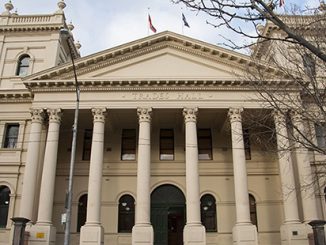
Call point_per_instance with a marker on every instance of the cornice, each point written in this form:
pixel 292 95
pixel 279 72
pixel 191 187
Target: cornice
pixel 20 96
pixel 30 28
pixel 150 85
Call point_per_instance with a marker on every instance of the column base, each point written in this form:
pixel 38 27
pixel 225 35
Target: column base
pixel 295 233
pixel 142 234
pixel 245 234
pixel 194 234
pixel 91 235
pixel 42 234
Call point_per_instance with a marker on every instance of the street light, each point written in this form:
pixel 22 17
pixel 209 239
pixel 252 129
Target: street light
pixel 66 35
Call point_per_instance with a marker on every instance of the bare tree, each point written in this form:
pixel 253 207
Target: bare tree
pixel 294 46
pixel 237 14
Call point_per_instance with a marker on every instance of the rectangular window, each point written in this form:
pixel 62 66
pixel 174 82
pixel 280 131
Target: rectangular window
pixel 321 134
pixel 204 144
pixel 166 144
pixel 87 144
pixel 11 135
pixel 128 144
pixel 246 141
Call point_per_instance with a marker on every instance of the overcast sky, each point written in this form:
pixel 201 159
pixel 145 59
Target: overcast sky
pixel 102 24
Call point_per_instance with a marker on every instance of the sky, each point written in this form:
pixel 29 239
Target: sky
pixel 103 24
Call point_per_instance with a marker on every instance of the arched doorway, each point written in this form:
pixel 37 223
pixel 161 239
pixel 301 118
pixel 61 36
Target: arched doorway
pixel 168 213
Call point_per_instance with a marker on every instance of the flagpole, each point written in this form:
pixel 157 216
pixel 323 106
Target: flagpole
pixel 182 25
pixel 147 21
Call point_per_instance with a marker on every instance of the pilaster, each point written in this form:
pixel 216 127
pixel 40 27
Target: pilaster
pixel 307 183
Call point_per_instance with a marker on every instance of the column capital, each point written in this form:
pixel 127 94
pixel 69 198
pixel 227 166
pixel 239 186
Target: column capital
pixel 144 114
pixel 190 114
pixel 235 114
pixel 54 115
pixel 279 116
pixel 37 115
pixel 296 116
pixel 99 114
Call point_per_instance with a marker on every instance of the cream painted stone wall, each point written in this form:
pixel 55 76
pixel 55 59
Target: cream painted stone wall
pixel 167 72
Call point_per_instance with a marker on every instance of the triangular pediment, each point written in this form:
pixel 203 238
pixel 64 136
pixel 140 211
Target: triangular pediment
pixel 162 56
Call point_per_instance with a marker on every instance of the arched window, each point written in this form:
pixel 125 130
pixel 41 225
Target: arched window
pixel 23 66
pixel 253 210
pixel 4 205
pixel 126 213
pixel 82 211
pixel 208 212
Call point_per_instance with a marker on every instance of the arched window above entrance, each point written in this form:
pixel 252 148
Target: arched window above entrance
pixel 208 212
pixel 4 205
pixel 126 213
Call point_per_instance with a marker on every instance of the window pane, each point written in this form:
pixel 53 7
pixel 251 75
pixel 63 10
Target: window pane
pixel 82 211
pixel 23 66
pixel 208 212
pixel 4 205
pixel 11 136
pixel 128 144
pixel 87 144
pixel 204 144
pixel 321 135
pixel 126 213
pixel 253 210
pixel 247 146
pixel 166 144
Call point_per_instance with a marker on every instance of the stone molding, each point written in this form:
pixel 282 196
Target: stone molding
pixel 54 115
pixel 37 115
pixel 190 114
pixel 147 45
pixel 235 114
pixel 99 114
pixel 144 114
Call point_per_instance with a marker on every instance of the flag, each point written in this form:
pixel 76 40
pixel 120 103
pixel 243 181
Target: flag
pixel 185 21
pixel 150 24
pixel 282 2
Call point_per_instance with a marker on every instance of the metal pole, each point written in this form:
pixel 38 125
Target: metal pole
pixel 19 230
pixel 319 233
pixel 73 153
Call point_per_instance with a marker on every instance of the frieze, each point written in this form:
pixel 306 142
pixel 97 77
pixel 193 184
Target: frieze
pixel 168 96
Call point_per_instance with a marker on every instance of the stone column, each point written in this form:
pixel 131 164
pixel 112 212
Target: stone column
pixel 194 231
pixel 92 232
pixel 44 232
pixel 31 165
pixel 243 231
pixel 142 232
pixel 307 183
pixel 292 231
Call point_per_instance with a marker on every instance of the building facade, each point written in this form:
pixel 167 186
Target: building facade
pixel 164 153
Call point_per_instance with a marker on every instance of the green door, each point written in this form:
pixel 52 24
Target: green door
pixel 168 215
